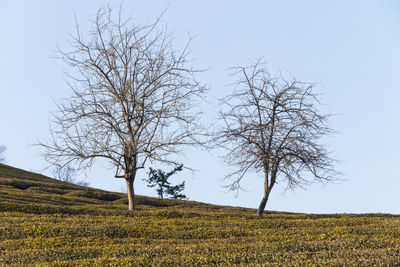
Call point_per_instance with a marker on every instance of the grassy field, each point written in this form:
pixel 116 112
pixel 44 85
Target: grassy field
pixel 51 223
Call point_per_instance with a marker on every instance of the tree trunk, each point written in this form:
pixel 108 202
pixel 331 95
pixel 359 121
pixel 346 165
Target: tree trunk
pixel 267 190
pixel 263 203
pixel 131 193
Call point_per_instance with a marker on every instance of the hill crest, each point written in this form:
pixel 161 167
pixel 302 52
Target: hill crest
pixel 30 192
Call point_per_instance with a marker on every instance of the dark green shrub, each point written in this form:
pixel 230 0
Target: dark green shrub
pixel 159 178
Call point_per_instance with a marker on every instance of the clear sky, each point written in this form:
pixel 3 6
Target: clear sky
pixel 351 48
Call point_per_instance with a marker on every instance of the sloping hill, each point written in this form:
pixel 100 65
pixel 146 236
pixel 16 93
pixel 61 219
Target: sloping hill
pixel 22 191
pixel 52 223
pixel 34 193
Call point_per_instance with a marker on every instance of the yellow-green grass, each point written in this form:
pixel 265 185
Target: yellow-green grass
pixel 52 223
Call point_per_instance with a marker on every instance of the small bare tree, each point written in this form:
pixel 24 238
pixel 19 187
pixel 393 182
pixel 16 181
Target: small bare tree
pixel 272 126
pixel 133 99
pixel 67 174
pixel 2 150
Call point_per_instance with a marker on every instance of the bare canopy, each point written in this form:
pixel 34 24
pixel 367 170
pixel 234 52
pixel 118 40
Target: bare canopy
pixel 272 126
pixel 133 99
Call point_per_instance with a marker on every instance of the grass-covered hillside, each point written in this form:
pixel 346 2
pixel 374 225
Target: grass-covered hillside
pixel 52 223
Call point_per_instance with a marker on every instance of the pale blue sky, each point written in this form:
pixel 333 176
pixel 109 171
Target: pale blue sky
pixel 351 48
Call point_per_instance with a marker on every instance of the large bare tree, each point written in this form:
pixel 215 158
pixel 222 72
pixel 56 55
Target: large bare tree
pixel 272 126
pixel 134 99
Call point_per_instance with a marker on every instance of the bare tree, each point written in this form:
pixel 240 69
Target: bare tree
pixel 272 126
pixel 2 150
pixel 67 174
pixel 133 99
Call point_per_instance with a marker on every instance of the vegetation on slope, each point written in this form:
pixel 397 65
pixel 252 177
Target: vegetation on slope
pixel 48 222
